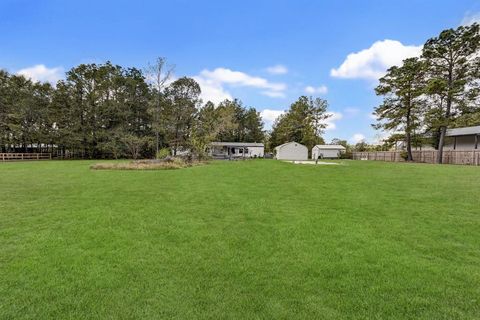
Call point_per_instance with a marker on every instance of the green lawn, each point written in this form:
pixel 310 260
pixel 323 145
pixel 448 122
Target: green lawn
pixel 249 239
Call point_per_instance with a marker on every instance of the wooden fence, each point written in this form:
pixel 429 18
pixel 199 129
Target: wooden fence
pixel 24 156
pixel 425 156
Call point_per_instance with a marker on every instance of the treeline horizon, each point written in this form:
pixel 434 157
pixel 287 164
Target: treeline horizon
pixel 109 111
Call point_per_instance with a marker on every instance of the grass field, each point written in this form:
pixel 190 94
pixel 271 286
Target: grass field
pixel 248 239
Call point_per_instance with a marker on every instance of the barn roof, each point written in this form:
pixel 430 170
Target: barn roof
pixel 277 147
pixel 465 131
pixel 330 146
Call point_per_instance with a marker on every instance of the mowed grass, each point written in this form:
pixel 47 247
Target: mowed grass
pixel 248 239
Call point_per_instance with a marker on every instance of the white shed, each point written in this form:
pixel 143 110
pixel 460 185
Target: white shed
pixel 291 151
pixel 331 151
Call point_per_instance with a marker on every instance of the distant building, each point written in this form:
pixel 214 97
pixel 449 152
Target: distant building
pixel 328 151
pixel 291 151
pixel 466 138
pixel 228 150
pixel 462 139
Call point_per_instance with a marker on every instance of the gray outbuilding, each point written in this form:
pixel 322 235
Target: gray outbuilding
pixel 291 151
pixel 327 151
pixel 466 138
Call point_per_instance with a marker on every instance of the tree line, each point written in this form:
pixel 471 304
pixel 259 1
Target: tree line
pixel 108 111
pixel 438 90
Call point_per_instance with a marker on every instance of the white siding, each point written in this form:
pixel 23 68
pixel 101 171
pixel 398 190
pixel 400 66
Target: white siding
pixel 255 152
pixel 291 151
pixel 235 150
pixel 326 151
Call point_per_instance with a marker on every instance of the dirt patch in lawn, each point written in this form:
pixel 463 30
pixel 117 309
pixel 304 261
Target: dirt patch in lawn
pixel 166 164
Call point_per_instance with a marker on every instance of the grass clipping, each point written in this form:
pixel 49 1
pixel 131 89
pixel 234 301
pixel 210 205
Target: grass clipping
pixel 166 164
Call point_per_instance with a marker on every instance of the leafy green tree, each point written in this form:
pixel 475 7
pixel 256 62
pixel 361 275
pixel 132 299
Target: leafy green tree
pixel 452 59
pixel 253 126
pixel 105 111
pixel 204 130
pixel 361 146
pixel 183 98
pixel 402 88
pixel 246 123
pixel 106 105
pixel 4 110
pixel 26 109
pixel 304 122
pixel 234 111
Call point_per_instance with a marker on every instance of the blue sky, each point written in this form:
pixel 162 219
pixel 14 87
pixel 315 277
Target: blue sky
pixel 266 53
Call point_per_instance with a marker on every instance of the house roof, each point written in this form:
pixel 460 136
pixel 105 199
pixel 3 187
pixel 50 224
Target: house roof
pixel 465 131
pixel 278 147
pixel 330 146
pixel 236 144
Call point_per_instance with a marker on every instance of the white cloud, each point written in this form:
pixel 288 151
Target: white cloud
pixel 357 137
pixel 41 73
pixel 269 116
pixel 351 111
pixel 334 117
pixel 372 63
pixel 223 75
pixel 381 136
pixel 212 91
pixel 316 90
pixel 274 94
pixel 277 69
pixel 470 18
pixel 213 82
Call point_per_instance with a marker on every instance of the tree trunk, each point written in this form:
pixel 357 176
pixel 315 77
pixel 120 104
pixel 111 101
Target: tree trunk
pixel 409 146
pixel 408 136
pixel 441 141
pixel 443 132
pixel 443 129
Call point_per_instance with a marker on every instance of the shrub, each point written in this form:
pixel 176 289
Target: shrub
pixel 346 155
pixel 167 163
pixel 163 153
pixel 404 155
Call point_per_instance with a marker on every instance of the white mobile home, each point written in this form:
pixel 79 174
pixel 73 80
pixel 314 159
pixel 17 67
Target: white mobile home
pixel 228 150
pixel 327 151
pixel 291 151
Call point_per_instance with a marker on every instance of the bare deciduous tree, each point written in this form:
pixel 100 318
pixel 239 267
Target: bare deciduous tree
pixel 158 75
